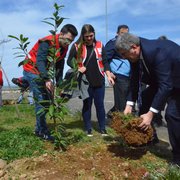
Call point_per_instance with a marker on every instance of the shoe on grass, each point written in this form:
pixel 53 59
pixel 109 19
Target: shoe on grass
pixel 89 133
pixel 104 132
pixel 45 136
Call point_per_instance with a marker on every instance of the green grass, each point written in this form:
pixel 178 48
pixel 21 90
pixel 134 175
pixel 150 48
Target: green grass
pixel 16 133
pixel 18 141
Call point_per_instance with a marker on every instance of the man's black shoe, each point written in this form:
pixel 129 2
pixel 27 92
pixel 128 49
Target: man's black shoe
pixel 89 133
pixel 21 83
pixel 104 133
pixel 17 82
pixel 48 137
pixel 45 136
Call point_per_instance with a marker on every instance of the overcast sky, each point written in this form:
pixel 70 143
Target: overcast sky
pixel 146 18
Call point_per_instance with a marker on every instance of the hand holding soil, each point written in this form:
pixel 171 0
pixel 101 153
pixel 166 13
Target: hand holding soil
pixel 127 126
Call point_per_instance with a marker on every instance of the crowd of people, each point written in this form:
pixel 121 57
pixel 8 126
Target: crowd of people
pixel 128 61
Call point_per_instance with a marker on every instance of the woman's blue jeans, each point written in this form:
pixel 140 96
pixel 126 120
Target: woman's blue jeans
pixel 97 94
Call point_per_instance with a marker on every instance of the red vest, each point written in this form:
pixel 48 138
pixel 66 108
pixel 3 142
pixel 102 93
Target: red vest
pixel 31 65
pixel 1 78
pixel 98 51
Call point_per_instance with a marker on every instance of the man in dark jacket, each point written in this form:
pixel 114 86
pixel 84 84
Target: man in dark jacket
pixel 36 72
pixel 159 61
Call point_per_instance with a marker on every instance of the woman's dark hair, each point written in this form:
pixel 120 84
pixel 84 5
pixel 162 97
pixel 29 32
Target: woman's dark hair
pixel 87 28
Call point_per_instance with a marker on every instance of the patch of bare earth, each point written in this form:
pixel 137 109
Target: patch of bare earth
pixel 83 162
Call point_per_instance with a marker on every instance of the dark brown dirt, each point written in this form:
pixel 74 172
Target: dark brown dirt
pixel 127 128
pixel 85 162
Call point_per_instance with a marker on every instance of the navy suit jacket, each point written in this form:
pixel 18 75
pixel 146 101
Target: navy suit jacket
pixel 162 71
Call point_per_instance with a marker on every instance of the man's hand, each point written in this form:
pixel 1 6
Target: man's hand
pixel 110 77
pixel 110 80
pixel 147 118
pixel 128 109
pixel 82 69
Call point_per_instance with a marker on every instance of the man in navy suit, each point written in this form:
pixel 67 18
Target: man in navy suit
pixel 158 62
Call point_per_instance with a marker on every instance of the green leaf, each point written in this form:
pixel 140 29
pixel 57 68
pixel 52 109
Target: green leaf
pixel 51 110
pixel 21 63
pixel 50 18
pixel 17 48
pixel 50 59
pixel 41 111
pixel 20 56
pixel 21 37
pixel 48 23
pixel 24 39
pixel 14 37
pixel 52 32
pixel 55 14
pixel 59 21
pixel 56 6
pixel 16 53
pixel 26 44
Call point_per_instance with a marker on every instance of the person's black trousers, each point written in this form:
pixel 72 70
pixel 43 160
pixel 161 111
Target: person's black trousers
pixel 172 117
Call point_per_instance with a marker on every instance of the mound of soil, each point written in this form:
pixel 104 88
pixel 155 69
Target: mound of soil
pixel 127 128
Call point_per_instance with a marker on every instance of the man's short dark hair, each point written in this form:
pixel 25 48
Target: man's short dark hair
pixel 69 28
pixel 163 37
pixel 122 26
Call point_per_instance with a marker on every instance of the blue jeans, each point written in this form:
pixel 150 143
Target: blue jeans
pixel 30 98
pixel 96 94
pixel 38 88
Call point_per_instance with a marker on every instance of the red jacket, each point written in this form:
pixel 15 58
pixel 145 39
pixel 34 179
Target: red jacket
pixel 1 78
pixel 30 66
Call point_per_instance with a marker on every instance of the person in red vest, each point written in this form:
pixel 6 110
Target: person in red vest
pixel 92 66
pixel 1 85
pixel 24 86
pixel 36 72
